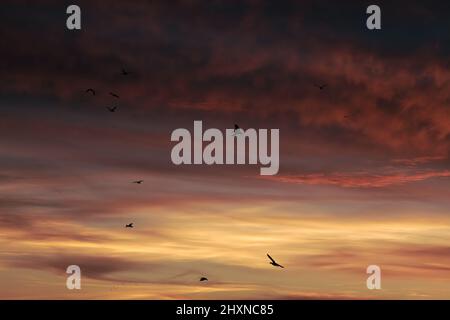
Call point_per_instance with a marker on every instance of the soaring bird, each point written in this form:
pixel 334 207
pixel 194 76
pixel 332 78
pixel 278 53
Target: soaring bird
pixel 111 109
pixel 237 130
pixel 321 86
pixel 274 263
pixel 91 91
pixel 114 95
pixel 138 181
pixel 203 279
pixel 130 225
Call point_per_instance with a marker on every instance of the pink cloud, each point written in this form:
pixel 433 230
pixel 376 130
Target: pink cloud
pixel 359 179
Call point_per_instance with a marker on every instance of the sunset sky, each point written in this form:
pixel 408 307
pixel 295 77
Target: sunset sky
pixel 364 163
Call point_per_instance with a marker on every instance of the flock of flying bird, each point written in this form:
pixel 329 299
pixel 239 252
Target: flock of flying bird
pixel 115 95
pixel 111 109
pixel 237 131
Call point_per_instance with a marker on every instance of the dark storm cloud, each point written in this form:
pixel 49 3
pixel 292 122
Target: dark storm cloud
pixel 255 61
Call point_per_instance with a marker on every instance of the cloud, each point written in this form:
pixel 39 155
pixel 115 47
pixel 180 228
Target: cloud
pixel 419 160
pixel 66 163
pixel 229 69
pixel 92 266
pixel 360 179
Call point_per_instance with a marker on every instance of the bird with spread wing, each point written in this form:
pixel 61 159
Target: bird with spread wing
pixel 274 263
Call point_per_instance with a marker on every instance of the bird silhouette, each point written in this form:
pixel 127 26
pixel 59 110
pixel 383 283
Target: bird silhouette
pixel 321 86
pixel 91 91
pixel 138 181
pixel 114 95
pixel 111 109
pixel 203 279
pixel 125 72
pixel 130 225
pixel 237 130
pixel 274 263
